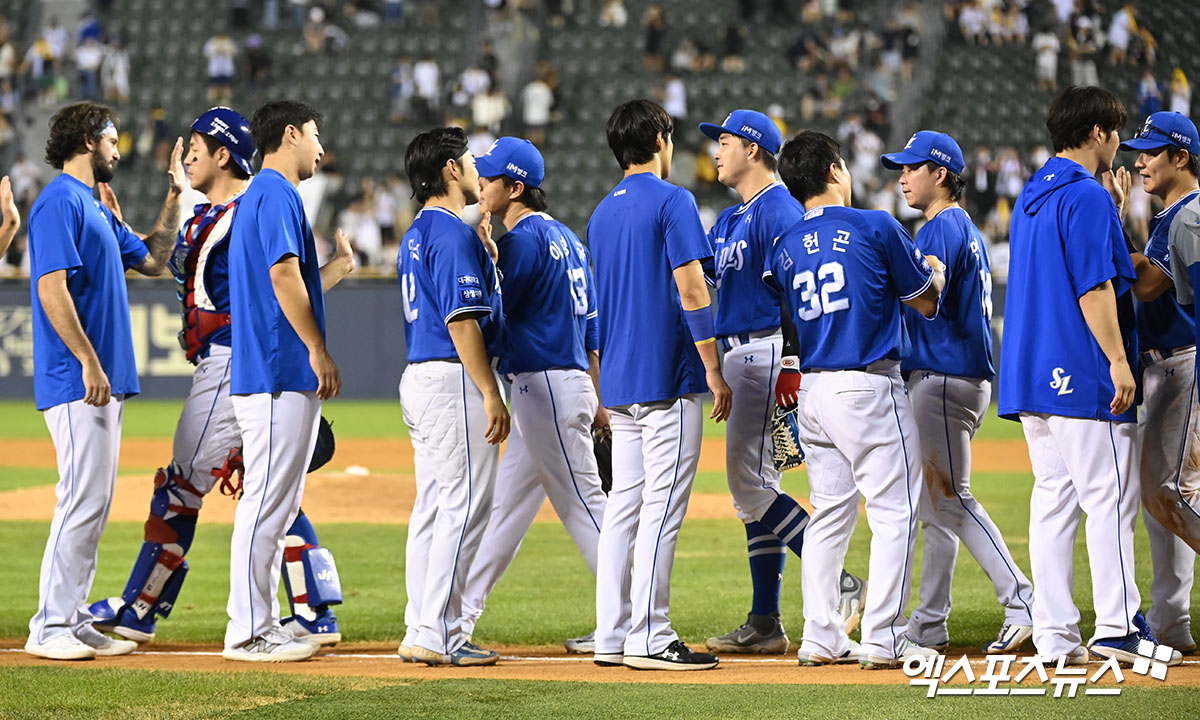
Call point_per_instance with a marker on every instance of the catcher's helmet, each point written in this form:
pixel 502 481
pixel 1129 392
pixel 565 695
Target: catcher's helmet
pixel 232 129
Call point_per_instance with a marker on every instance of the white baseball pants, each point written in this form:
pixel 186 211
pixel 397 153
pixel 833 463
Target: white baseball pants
pixel 861 439
pixel 456 474
pixel 548 454
pixel 656 448
pixel 949 410
pixel 87 441
pixel 278 435
pixel 1081 466
pixel 1169 437
pixel 751 370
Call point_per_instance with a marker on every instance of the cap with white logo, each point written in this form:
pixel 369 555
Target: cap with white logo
pixel 749 124
pixel 1165 128
pixel 924 146
pixel 515 157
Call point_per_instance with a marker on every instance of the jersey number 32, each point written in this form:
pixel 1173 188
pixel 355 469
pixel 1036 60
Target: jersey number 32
pixel 817 291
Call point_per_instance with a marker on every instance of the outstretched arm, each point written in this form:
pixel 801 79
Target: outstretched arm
pixel 341 265
pixel 12 219
pixel 161 239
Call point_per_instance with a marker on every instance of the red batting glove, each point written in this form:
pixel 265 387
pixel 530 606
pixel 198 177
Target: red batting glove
pixel 787 388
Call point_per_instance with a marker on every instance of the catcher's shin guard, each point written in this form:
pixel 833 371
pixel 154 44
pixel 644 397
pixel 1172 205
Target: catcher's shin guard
pixel 309 573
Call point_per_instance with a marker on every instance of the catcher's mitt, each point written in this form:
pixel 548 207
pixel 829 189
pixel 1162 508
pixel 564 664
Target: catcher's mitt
pixel 323 450
pixel 785 436
pixel 602 441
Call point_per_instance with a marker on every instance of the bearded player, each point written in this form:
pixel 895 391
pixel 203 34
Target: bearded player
pixel 207 445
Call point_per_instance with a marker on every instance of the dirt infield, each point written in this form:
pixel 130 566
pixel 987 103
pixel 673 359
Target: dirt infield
pixel 552 663
pixel 385 495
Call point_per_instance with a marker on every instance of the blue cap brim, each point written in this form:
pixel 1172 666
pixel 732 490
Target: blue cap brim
pixel 1140 144
pixel 715 131
pixel 489 166
pixel 897 161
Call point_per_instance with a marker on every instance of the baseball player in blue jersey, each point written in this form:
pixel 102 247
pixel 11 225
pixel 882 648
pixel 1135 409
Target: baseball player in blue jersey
pixel 280 372
pixel 451 395
pixel 83 359
pixel 748 328
pixel 207 443
pixel 647 246
pixel 554 364
pixel 842 275
pixel 1169 428
pixel 950 369
pixel 1067 376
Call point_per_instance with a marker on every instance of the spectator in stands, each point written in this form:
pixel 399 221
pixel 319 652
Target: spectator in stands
pixel 734 42
pixel 427 81
pixel 393 12
pixel 1046 48
pixel 1120 30
pixel 1181 93
pixel 362 14
pixel 56 39
pixel 361 227
pixel 674 100
pixel 843 47
pixel 402 88
pixel 537 99
pixel 299 13
pixel 258 63
pixel 654 26
pixel 114 72
pixel 910 52
pixel 8 54
pixel 1149 95
pixel 219 51
pixel 613 14
pixel 474 80
pixel 88 56
pixel 10 98
pixel 1083 43
pixel 807 53
pixel 40 64
pixel 972 23
pixel 313 33
pixel 490 108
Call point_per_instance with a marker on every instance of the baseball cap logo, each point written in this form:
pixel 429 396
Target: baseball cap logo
pixel 727 119
pixel 911 140
pixel 513 168
pixel 752 132
pixel 939 154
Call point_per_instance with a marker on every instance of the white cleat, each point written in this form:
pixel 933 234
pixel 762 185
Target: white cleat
pixel 1009 639
pixel 275 645
pixel 103 644
pixel 61 647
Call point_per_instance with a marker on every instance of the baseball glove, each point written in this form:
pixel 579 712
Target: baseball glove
pixel 602 442
pixel 323 450
pixel 785 436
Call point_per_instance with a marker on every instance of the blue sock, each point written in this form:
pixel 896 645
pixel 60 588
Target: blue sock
pixel 767 556
pixel 787 520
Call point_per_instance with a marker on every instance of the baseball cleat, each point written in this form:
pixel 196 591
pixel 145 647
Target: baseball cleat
pixel 748 638
pixel 322 631
pixel 816 659
pixel 677 656
pixel 61 647
pixel 110 615
pixel 468 654
pixel 275 645
pixel 609 659
pixel 405 652
pixel 581 645
pixel 907 650
pixel 103 644
pixel 1127 650
pixel 1009 639
pixel 853 597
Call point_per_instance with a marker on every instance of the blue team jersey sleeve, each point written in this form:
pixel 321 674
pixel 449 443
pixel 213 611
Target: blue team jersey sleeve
pixel 278 226
pixel 55 226
pixel 1158 251
pixel 592 330
pixel 133 248
pixel 456 268
pixel 910 273
pixel 683 231
pixel 1089 225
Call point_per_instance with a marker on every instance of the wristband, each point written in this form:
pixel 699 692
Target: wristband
pixel 700 322
pixel 790 364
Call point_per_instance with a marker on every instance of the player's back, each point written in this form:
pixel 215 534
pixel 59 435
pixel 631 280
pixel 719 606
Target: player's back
pixel 844 273
pixel 445 273
pixel 742 237
pixel 958 341
pixel 638 234
pixel 548 295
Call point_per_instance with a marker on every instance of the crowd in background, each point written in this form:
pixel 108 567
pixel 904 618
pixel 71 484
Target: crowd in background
pixel 851 68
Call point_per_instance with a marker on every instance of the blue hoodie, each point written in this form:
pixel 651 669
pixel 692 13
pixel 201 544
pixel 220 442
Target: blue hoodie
pixel 1065 240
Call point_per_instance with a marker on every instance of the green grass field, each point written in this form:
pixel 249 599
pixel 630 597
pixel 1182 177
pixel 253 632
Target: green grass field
pixel 545 597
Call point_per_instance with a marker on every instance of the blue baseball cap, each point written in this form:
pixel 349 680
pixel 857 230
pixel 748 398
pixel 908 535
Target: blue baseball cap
pixel 927 145
pixel 1165 128
pixel 749 124
pixel 232 130
pixel 514 157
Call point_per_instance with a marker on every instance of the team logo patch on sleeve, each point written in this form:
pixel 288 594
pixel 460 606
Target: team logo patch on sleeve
pixel 471 294
pixel 468 280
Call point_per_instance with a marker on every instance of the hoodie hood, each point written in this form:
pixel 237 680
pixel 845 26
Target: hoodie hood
pixel 1056 174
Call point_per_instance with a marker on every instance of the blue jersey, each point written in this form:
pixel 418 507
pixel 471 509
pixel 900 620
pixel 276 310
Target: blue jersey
pixel 842 274
pixel 1161 323
pixel 549 297
pixel 1065 240
pixel 268 355
pixel 958 341
pixel 639 233
pixel 741 239
pixel 446 274
pixel 69 230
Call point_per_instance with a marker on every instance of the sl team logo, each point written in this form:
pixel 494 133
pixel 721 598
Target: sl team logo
pixel 1061 382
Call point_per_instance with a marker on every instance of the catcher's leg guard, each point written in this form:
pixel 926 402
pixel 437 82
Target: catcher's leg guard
pixel 160 567
pixel 311 580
